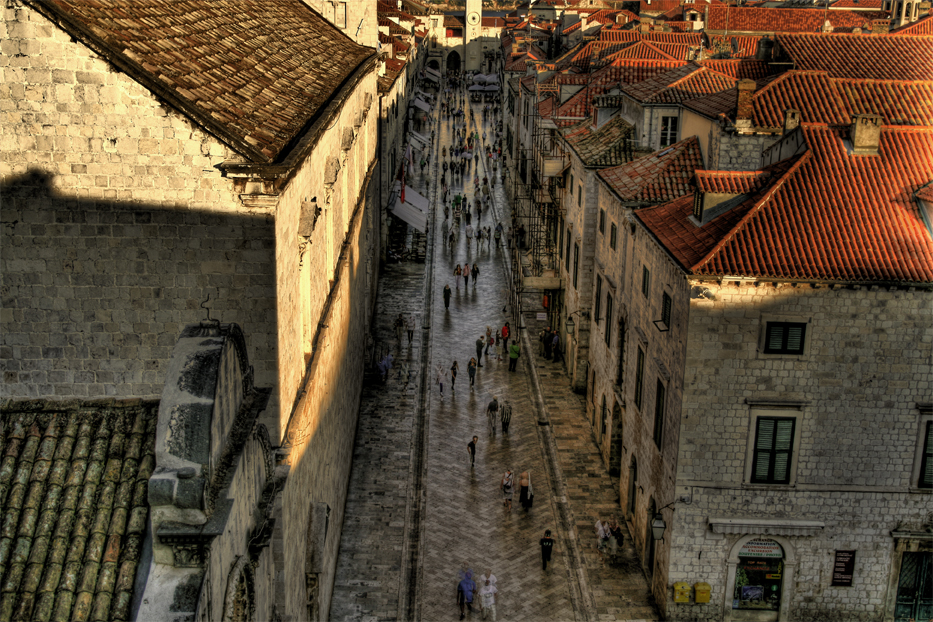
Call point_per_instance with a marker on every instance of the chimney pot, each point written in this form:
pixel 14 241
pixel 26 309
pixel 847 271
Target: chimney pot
pixel 791 120
pixel 865 134
pixel 743 106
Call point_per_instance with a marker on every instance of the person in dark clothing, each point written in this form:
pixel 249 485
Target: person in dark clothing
pixel 547 546
pixel 480 344
pixel 447 294
pixel 547 339
pixel 471 447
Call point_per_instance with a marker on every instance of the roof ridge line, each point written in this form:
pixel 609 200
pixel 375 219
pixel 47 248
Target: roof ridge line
pixel 754 209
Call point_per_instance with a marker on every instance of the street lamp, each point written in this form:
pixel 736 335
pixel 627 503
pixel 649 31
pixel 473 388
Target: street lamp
pixel 570 323
pixel 658 526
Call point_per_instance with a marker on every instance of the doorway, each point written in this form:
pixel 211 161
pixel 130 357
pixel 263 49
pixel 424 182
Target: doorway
pixel 453 62
pixel 915 587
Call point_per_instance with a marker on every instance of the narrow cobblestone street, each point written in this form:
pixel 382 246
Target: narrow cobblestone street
pixel 416 508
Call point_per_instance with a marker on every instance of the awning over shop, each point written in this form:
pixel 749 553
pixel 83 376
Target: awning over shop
pixel 425 96
pixel 432 78
pixel 419 103
pixel 476 87
pixel 434 73
pixel 421 139
pixel 414 210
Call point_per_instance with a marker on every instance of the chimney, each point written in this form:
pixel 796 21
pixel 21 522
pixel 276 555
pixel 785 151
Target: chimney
pixel 865 134
pixel 582 24
pixel 880 26
pixel 743 106
pixel 791 120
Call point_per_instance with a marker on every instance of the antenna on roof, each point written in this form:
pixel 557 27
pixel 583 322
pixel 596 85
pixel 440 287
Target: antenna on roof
pixel 735 46
pixel 358 30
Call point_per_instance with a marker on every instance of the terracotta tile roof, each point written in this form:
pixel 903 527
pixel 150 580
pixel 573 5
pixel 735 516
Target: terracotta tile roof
pixel 493 22
pixel 681 38
pixel 607 146
pixel 870 57
pixel 679 85
pixel 830 216
pixel 572 28
pixel 759 19
pixel 821 99
pixel 739 68
pixel 662 176
pixel 680 26
pixel 731 182
pixel 858 4
pixel 712 106
pixel 922 27
pixel 254 74
pixel 74 485
pixel 642 50
pixel 747 44
pixel 657 6
pixel 453 21
pixel 395 29
pixel 603 16
pixel 393 64
pixel 385 9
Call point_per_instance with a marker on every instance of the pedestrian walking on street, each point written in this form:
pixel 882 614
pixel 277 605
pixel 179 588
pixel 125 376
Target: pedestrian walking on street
pixel 410 326
pixel 505 415
pixel 475 271
pixel 505 332
pixel 602 537
pixel 488 576
pixel 471 447
pixel 514 353
pixel 441 375
pixel 507 489
pixel 447 293
pixel 488 338
pixel 466 272
pixel 487 595
pixel 465 590
pixel 526 493
pixel 547 547
pixel 555 348
pixel 499 348
pixel 616 538
pixel 545 342
pixel 480 343
pixel 471 371
pixel 491 417
pixel 453 376
pixel 458 271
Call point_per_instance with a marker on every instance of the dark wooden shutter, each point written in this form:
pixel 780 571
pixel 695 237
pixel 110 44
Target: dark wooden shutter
pixel 926 462
pixel 774 443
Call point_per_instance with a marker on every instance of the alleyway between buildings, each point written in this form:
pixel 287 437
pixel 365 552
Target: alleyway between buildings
pixel 416 510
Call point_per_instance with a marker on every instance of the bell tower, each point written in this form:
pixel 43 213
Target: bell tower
pixel 473 45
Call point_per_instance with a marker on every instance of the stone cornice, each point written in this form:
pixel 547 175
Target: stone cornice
pixel 766 526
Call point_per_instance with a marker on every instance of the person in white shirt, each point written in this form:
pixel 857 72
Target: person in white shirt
pixel 487 598
pixel 602 536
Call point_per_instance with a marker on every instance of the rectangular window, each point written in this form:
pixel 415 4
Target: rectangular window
pixel 612 236
pixel 599 298
pixel 668 131
pixel 666 309
pixel 645 280
pixel 659 400
pixel 571 184
pixel 774 442
pixel 602 221
pixel 567 257
pixel 560 240
pixel 580 195
pixel 340 15
pixel 784 337
pixel 576 263
pixel 926 461
pixel 639 376
pixel 608 319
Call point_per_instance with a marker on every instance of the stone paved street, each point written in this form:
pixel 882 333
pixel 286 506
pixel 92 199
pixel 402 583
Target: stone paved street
pixel 400 551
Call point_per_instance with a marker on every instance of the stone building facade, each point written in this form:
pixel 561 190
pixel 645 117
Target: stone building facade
pixel 133 190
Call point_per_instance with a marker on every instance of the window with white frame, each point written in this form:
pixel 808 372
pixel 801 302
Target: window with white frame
pixel 668 131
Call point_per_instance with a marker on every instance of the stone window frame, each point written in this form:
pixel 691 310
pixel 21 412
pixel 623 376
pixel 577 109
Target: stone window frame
pixel 669 130
pixel 645 280
pixel 639 388
pixel 923 421
pixel 795 319
pixel 786 410
pixel 602 221
pixel 613 235
pixel 598 298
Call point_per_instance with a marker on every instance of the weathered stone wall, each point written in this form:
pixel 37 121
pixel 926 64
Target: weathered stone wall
pixel 116 226
pixel 634 328
pixel 866 365
pixel 730 151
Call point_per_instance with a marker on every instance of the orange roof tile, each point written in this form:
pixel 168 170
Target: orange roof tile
pixel 872 57
pixel 678 85
pixel 657 6
pixel 739 68
pixel 731 182
pixel 642 50
pixel 659 177
pixel 830 216
pixel 607 146
pixel 759 19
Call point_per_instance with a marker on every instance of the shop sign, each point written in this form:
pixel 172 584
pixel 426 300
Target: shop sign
pixel 843 568
pixel 762 548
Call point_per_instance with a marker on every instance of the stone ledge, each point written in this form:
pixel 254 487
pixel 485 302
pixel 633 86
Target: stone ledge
pixel 766 526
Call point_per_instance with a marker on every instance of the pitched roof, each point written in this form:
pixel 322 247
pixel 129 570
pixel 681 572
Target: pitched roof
pixel 253 74
pixel 642 50
pixel 739 68
pixel 870 57
pixel 731 182
pixel 493 22
pixel 759 19
pixel 607 146
pixel 75 507
pixel 821 99
pixel 829 216
pixel 659 177
pixel 713 105
pixel 678 85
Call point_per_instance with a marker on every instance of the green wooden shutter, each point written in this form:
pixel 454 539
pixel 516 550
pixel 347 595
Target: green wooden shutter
pixel 926 463
pixel 774 444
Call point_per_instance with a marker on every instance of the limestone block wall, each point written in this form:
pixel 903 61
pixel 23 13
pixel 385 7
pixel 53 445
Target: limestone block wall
pixel 855 393
pixel 116 226
pixel 737 152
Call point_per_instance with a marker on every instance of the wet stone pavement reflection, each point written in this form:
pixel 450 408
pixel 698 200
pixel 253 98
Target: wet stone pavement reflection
pixel 405 537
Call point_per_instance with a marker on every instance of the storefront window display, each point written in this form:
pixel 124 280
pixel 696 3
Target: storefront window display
pixel 758 576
